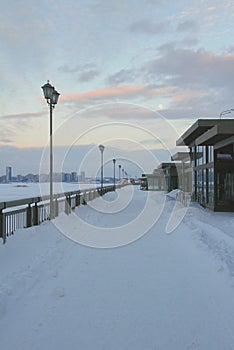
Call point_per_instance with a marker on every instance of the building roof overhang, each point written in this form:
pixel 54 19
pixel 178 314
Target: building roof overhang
pixel 197 129
pixel 154 175
pixel 168 165
pixel 180 156
pixel 216 134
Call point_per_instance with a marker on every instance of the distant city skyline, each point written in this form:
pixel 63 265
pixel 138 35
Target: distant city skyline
pixel 64 176
pixel 59 177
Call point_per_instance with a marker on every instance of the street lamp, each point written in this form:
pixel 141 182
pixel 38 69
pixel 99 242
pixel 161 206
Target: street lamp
pixel 114 161
pixel 226 112
pixel 101 147
pixel 51 95
pixel 119 172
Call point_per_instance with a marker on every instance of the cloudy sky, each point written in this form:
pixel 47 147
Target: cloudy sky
pixel 133 75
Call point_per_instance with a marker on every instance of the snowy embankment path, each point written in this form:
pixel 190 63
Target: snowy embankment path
pixel 163 291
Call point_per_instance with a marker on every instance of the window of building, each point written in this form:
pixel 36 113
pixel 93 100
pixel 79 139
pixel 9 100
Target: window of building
pixel 204 186
pixel 194 174
pixel 210 186
pixel 210 154
pixel 193 156
pixel 201 155
pixel 199 185
pixel 229 186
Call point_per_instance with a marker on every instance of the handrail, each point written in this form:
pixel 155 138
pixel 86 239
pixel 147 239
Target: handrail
pixel 27 212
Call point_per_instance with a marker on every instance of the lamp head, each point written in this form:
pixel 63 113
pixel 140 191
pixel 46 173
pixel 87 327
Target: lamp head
pixel 55 96
pixel 48 90
pixel 101 147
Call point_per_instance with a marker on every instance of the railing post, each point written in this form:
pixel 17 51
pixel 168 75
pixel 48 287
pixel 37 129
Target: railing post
pixel 56 207
pixel 90 195
pixel 83 198
pixel 68 205
pixel 73 203
pixel 29 216
pixel 35 215
pixel 1 224
pixel 2 227
pixel 77 200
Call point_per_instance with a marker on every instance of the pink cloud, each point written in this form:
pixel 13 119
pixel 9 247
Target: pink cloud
pixel 183 95
pixel 22 116
pixel 107 93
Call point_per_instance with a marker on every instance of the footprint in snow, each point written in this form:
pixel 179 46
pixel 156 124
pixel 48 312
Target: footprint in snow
pixel 53 273
pixel 58 292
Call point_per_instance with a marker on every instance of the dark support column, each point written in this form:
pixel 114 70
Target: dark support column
pixel 29 216
pixel 68 205
pixel 35 215
pixel 215 182
pixel 73 203
pixel 77 200
pixel 84 200
pixel 1 224
pixel 91 195
pixel 2 227
pixel 56 207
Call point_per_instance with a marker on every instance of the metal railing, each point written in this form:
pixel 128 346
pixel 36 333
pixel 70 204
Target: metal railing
pixel 29 212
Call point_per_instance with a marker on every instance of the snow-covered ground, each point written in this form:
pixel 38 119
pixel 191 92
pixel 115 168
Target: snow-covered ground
pixel 162 291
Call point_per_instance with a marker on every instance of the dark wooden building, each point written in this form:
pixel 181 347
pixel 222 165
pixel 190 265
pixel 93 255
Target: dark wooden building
pixel 211 148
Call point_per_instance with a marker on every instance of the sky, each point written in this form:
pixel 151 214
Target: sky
pixel 132 76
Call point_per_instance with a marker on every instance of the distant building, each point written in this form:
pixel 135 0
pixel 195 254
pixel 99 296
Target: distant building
pixel 66 177
pixel 82 176
pixel 153 182
pixel 31 178
pixel 74 177
pixel 8 173
pixel 185 179
pixel 172 174
pixel 165 178
pixel 19 178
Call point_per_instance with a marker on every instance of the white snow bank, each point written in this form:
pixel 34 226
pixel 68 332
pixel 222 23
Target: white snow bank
pixel 160 292
pixel 173 194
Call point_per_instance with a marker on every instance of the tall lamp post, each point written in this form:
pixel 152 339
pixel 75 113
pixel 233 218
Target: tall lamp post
pixel 51 95
pixel 114 161
pixel 226 112
pixel 101 147
pixel 119 173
